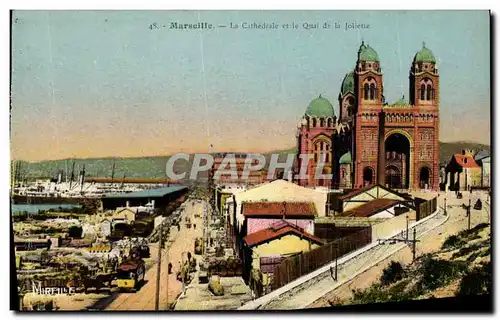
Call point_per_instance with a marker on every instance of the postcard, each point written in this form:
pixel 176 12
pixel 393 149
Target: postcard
pixel 250 160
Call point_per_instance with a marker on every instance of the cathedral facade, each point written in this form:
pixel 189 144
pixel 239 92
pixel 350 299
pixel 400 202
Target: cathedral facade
pixel 372 141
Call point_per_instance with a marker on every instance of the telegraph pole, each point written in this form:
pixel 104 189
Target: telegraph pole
pixel 412 242
pixel 407 222
pixel 468 214
pixel 158 268
pixel 336 267
pixel 414 246
pixel 168 275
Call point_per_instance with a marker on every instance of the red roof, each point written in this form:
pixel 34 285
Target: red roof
pixel 277 231
pixel 370 208
pixel 466 161
pixel 279 209
pixel 357 191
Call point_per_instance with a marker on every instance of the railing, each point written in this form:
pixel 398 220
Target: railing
pixel 296 266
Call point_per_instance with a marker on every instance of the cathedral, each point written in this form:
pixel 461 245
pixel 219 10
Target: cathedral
pixel 372 141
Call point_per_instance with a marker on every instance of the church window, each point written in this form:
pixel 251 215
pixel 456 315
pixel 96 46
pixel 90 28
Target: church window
pixel 327 157
pixel 422 92
pixel 322 122
pixel 366 91
pixel 314 122
pixel 372 91
pixel 429 92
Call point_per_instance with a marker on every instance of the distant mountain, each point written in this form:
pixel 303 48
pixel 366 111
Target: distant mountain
pixel 154 167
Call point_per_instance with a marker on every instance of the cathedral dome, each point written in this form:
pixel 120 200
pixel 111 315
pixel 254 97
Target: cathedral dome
pixel 424 55
pixel 401 102
pixel 348 83
pixel 346 158
pixel 367 53
pixel 320 107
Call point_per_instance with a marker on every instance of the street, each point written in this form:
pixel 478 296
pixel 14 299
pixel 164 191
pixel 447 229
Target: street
pixel 178 244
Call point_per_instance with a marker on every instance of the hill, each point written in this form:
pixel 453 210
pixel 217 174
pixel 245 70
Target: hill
pixel 154 167
pixel 461 267
pixel 448 149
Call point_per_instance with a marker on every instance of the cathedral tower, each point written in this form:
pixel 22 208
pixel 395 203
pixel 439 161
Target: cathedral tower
pixel 314 139
pixel 424 95
pixel 369 100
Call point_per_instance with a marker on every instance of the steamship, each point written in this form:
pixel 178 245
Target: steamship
pixel 57 191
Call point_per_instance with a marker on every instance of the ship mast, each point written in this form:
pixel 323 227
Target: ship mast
pixel 82 178
pixel 123 181
pixel 72 174
pixel 66 165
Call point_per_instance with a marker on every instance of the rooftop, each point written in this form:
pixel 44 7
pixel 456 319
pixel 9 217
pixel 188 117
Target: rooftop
pixel 150 193
pixel 370 208
pixel 320 107
pixel 361 190
pixel 273 209
pixel 276 231
pixel 424 55
pixel 466 161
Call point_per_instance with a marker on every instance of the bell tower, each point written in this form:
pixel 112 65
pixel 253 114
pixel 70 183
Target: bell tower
pixel 424 96
pixel 369 91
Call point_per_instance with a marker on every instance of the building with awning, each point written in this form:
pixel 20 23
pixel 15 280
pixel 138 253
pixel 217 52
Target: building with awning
pixel 159 198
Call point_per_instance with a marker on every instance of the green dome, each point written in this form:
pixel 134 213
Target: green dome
pixel 368 54
pixel 401 102
pixel 346 158
pixel 320 107
pixel 348 83
pixel 424 55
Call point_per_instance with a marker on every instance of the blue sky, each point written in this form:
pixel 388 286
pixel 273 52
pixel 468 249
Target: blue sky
pixel 101 83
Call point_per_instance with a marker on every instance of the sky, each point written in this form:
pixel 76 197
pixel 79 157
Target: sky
pixel 102 83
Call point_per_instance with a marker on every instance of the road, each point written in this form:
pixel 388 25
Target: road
pixel 179 243
pixel 430 236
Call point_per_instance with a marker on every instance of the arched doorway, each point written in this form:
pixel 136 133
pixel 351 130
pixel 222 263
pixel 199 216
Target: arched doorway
pixel 397 161
pixel 367 176
pixel 393 176
pixel 425 178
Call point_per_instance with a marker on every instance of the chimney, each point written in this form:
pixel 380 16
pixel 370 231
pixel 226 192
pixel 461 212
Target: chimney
pixel 381 149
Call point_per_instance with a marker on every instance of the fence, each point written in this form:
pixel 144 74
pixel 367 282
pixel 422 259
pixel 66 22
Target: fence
pixel 294 267
pixel 426 208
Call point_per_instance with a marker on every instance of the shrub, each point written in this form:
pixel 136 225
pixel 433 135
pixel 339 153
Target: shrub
pixel 465 251
pixel 478 281
pixel 394 272
pixel 452 242
pixel 437 273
